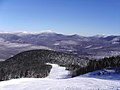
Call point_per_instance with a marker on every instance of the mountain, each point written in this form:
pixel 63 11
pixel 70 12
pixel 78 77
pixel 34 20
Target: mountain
pixel 92 47
pixel 34 63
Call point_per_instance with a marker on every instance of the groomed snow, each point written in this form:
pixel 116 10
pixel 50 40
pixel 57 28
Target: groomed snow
pixel 58 72
pixel 52 82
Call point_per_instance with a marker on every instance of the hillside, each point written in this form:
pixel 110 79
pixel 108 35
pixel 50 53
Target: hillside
pixel 33 63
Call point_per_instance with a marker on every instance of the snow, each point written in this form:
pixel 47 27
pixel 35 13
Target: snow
pixel 40 47
pixel 2 59
pixel 89 46
pixel 58 43
pixel 115 42
pixel 55 81
pixel 64 42
pixel 102 36
pixel 116 39
pixel 2 40
pixel 8 44
pixel 69 42
pixel 34 33
pixel 77 83
pixel 97 47
pixel 16 45
pixel 58 72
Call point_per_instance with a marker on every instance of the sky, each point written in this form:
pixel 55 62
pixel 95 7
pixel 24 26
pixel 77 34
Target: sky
pixel 83 17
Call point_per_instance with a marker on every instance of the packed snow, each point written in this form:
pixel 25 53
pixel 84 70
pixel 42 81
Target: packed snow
pixel 55 81
pixel 58 72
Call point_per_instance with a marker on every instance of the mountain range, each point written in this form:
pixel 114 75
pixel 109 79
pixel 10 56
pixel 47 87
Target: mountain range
pixel 96 47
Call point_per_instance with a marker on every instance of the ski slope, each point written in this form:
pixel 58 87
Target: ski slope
pixel 58 72
pixel 58 80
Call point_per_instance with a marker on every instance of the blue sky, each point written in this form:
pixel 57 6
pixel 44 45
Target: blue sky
pixel 84 17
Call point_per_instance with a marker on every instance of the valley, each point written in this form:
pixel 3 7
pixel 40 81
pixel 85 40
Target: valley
pixel 95 47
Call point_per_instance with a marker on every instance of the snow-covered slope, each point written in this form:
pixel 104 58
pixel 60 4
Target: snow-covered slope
pixel 78 83
pixel 58 72
pixel 52 83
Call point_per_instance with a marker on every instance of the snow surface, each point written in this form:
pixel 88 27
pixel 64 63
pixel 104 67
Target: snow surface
pixel 89 46
pixel 58 72
pixel 55 82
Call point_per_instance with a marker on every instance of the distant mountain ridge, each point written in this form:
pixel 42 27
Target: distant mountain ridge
pixel 92 47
